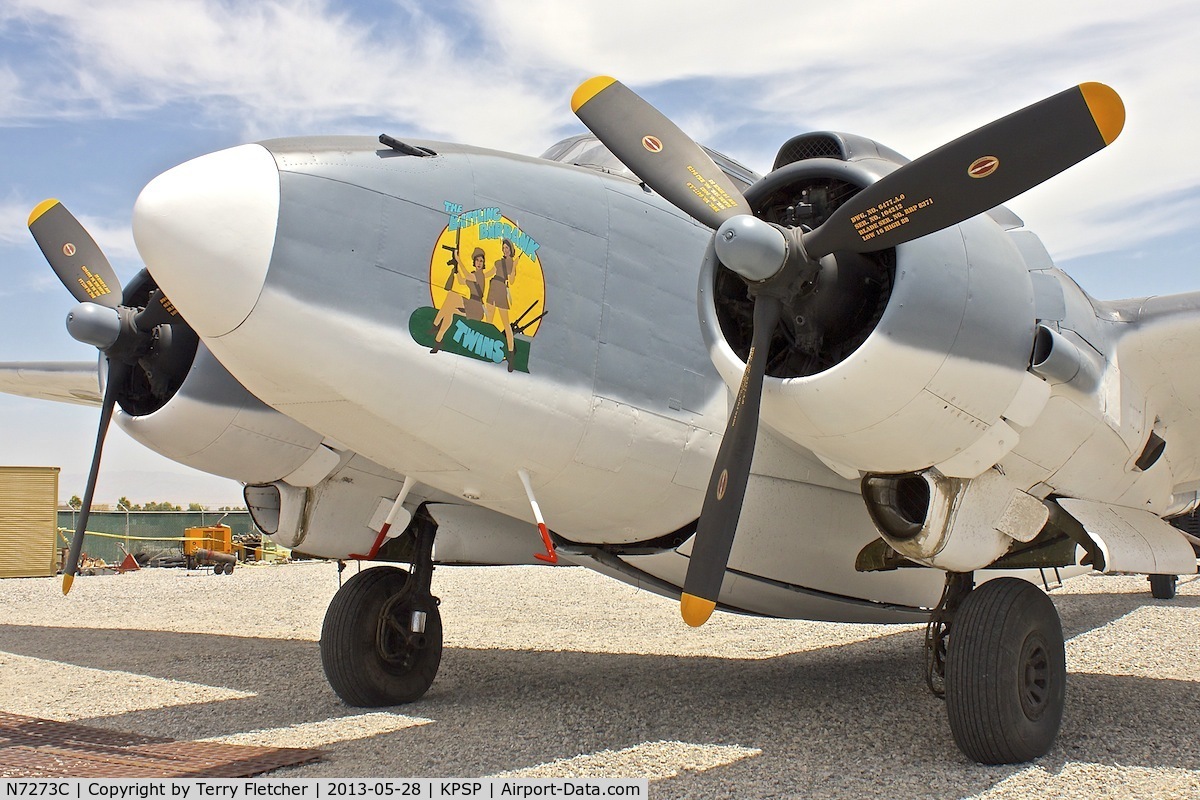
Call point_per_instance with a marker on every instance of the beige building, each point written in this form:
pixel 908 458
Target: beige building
pixel 28 521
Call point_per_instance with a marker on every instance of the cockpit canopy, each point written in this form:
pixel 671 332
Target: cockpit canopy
pixel 585 150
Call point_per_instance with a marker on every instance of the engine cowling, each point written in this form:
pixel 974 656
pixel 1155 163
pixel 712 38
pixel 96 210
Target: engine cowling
pixel 181 402
pixel 898 360
pixel 952 523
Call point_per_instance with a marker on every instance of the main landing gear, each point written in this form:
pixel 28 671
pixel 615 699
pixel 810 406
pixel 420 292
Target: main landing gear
pixel 998 653
pixel 381 642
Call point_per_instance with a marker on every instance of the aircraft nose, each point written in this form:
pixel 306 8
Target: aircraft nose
pixel 206 230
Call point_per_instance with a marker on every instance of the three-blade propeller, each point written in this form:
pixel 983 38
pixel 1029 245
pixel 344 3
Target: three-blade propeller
pixel 959 180
pixel 124 334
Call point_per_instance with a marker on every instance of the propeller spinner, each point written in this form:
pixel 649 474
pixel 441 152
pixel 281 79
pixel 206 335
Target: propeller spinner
pixel 959 180
pixel 124 334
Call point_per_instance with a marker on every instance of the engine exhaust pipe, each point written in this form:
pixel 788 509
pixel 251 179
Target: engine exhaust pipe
pixel 1059 360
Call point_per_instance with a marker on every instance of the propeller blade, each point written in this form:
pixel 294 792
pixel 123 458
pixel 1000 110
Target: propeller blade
pixel 975 172
pixel 657 151
pixel 731 472
pixel 117 373
pixel 74 255
pixel 158 311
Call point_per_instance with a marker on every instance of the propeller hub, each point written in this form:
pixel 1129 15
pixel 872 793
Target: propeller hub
pixel 754 249
pixel 94 324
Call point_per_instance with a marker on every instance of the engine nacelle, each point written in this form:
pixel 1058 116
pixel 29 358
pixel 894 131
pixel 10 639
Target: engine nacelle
pixel 343 515
pixel 896 361
pixel 180 402
pixel 214 424
pixel 954 524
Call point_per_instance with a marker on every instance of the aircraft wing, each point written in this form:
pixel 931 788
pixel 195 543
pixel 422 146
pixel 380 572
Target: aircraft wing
pixel 1159 350
pixel 63 381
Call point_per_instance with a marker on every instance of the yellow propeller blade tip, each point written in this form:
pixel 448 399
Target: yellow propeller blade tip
pixel 589 89
pixel 695 610
pixel 67 581
pixel 1107 109
pixel 39 209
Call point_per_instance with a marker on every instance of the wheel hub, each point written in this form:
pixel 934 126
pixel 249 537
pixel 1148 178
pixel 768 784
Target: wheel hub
pixel 396 640
pixel 1034 680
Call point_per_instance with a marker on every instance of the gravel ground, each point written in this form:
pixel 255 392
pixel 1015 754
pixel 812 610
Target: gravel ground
pixel 563 672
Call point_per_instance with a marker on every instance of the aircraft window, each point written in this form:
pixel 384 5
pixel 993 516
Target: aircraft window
pixel 741 175
pixel 585 150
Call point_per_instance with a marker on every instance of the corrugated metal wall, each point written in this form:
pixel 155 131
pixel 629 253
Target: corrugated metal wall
pixel 28 521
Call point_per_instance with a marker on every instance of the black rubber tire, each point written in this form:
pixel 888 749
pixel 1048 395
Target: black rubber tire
pixel 352 656
pixel 1162 587
pixel 1006 673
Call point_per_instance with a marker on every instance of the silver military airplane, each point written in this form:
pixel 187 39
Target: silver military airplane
pixel 433 353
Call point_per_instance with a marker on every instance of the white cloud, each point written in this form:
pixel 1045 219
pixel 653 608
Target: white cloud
pixel 911 75
pixel 114 238
pixel 1113 224
pixel 10 91
pixel 273 67
pixel 499 73
pixel 14 214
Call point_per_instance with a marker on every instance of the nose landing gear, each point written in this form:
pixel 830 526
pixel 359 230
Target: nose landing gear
pixel 381 642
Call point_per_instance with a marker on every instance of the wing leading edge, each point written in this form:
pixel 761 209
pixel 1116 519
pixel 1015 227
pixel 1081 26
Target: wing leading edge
pixel 62 381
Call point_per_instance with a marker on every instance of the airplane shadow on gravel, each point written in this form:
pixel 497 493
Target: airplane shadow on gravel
pixel 824 719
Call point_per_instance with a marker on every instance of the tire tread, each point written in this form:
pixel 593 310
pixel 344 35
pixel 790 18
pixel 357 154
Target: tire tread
pixel 348 655
pixel 973 686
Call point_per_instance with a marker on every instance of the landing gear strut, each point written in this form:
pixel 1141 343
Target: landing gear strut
pixel 1001 658
pixel 381 642
pixel 958 586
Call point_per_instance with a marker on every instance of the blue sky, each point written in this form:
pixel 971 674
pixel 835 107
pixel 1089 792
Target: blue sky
pixel 97 98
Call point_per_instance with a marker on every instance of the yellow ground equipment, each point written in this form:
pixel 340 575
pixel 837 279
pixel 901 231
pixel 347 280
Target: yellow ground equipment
pixel 218 538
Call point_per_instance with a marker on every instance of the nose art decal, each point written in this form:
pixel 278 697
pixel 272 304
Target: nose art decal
pixel 486 289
